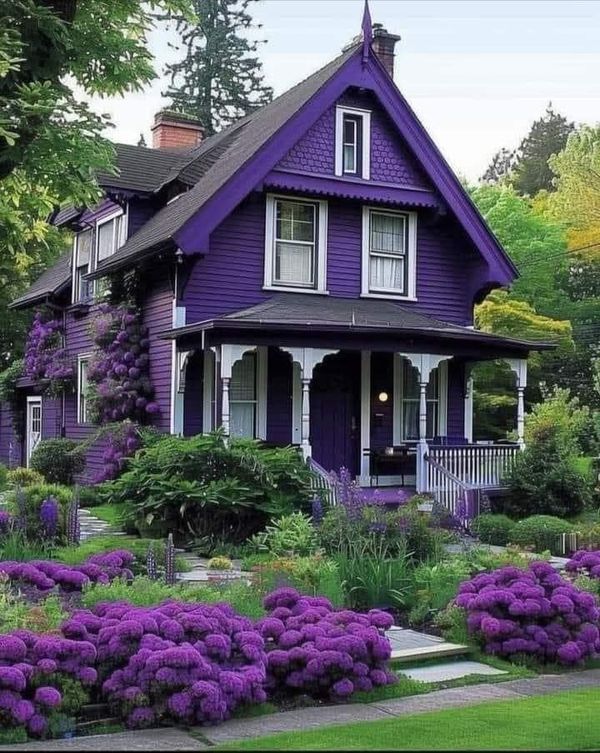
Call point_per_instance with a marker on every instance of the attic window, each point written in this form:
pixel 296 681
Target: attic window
pixel 352 142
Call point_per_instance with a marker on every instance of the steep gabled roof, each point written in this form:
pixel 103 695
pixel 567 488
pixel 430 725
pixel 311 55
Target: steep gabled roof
pixel 140 168
pixel 51 282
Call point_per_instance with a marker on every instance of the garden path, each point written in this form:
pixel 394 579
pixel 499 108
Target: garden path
pixel 203 738
pixel 90 526
pixel 558 563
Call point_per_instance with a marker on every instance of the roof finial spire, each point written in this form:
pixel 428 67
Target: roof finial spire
pixel 367 30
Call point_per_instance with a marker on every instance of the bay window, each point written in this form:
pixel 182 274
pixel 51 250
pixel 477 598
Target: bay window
pixel 389 250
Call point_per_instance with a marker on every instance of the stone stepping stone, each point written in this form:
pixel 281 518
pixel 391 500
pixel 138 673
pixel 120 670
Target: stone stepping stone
pixel 411 644
pixel 453 670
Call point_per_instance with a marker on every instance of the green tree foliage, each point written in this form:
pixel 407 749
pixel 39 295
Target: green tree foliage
pixel 220 78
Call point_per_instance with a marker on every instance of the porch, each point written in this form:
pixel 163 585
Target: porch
pixel 383 392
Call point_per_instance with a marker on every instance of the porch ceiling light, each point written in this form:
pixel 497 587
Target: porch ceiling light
pixel 383 397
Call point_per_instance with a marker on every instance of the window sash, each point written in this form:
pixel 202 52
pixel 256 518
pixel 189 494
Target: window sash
pixel 294 255
pixel 82 390
pixel 411 402
pixel 352 128
pixel 388 247
pixel 243 400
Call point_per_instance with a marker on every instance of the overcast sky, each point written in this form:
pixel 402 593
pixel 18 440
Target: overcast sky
pixel 477 72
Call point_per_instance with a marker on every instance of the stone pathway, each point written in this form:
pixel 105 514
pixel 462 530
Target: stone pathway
pixel 200 573
pixel 558 563
pixel 90 526
pixel 311 718
pixel 452 670
pixel 408 645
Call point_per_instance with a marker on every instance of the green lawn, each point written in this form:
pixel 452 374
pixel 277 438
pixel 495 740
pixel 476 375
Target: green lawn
pixel 561 721
pixel 109 513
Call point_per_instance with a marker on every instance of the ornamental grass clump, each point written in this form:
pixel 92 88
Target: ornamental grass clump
pixel 533 613
pixel 33 670
pixel 311 648
pixel 186 663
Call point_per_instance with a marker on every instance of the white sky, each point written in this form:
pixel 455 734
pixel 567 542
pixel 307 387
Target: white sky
pixel 477 72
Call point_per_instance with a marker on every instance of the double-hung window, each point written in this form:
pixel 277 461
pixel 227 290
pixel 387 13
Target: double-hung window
pixel 295 244
pixel 83 248
pixel 352 142
pixel 110 237
pixel 82 390
pixel 389 250
pixel 243 397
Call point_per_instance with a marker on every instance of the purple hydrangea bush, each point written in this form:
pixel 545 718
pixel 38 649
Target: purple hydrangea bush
pixel 46 358
pixel 533 612
pixel 586 563
pixel 46 575
pixel 31 666
pixel 315 649
pixel 188 663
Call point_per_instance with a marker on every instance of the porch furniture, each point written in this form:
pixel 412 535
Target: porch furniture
pixel 398 460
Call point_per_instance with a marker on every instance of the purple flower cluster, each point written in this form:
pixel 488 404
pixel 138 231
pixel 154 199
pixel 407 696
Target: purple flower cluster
pixel 120 368
pixel 534 612
pixel 190 663
pixel 46 575
pixel 29 664
pixel 5 522
pixel 314 649
pixel 121 444
pixel 586 562
pixel 45 356
pixel 49 513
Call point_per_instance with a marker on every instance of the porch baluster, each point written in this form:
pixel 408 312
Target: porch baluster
pixel 225 405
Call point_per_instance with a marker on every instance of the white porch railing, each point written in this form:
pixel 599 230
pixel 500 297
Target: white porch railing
pixel 448 489
pixel 322 483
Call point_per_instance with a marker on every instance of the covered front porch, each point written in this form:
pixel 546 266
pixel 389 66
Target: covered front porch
pixel 391 403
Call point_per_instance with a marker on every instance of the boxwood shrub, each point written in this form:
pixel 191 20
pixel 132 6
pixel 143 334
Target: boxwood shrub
pixel 493 529
pixel 540 532
pixel 58 460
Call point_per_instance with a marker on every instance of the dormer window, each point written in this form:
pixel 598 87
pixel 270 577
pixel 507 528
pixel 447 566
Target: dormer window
pixel 90 247
pixel 352 142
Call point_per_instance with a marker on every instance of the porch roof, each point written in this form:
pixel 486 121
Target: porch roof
pixel 287 316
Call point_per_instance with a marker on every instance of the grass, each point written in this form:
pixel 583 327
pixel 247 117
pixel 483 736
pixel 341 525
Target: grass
pixel 560 721
pixel 111 514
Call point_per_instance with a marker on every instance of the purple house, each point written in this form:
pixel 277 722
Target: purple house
pixel 308 277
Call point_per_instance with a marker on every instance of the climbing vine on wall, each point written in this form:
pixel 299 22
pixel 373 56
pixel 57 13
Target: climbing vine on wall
pixel 47 362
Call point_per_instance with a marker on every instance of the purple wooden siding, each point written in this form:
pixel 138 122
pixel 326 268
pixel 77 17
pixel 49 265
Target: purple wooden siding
pixel 235 264
pixel 158 316
pixel 279 397
pixel 391 160
pixel 192 399
pixel 51 417
pixel 382 414
pixel 11 446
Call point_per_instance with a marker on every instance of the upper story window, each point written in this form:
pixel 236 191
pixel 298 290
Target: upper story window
pixel 389 253
pixel 82 390
pixel 353 142
pixel 296 239
pixel 90 247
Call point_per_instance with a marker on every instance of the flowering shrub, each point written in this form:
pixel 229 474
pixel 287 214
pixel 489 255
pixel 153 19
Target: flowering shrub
pixel 40 511
pixel 533 612
pixel 119 370
pixel 585 562
pixel 46 359
pixel 313 649
pixel 44 575
pixel 190 663
pixel 30 667
pixel 123 440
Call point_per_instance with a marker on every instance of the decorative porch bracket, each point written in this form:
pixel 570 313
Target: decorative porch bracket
pixel 307 359
pixel 229 355
pixel 519 367
pixel 424 363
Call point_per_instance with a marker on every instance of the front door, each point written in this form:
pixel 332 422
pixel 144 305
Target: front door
pixel 335 412
pixel 34 426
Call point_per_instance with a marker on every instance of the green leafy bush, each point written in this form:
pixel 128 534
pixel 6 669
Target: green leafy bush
pixel 315 575
pixel 562 415
pixel 90 496
pixel 58 460
pixel 24 477
pixel 33 496
pixel 3 477
pixel 287 536
pixel 493 529
pixel 202 486
pixel 540 532
pixel 433 587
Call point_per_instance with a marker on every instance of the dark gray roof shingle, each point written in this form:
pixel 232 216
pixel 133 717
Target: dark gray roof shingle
pixel 50 282
pixel 140 168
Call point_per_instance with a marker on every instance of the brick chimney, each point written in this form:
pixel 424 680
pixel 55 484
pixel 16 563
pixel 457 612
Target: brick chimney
pixel 174 130
pixel 383 45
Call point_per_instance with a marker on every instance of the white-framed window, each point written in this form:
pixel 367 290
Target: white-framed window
pixel 82 389
pixel 296 244
pixel 90 247
pixel 248 394
pixel 389 250
pixel 407 400
pixel 353 142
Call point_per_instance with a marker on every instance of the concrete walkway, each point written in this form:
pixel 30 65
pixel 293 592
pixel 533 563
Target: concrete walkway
pixel 203 738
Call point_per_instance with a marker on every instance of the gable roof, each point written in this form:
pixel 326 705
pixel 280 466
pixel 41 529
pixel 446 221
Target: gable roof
pixel 51 282
pixel 140 168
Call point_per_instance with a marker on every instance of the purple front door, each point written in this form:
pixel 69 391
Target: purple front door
pixel 335 412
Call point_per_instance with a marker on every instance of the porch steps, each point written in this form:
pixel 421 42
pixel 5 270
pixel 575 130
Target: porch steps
pixel 451 670
pixel 410 645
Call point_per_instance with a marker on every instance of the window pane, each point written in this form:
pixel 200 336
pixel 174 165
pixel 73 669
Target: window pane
pixel 83 389
pixel 295 222
pixel 242 420
pixel 349 159
pixel 387 233
pixel 106 240
pixel 242 386
pixel 411 419
pixel 84 248
pixel 349 130
pixel 387 273
pixel 294 263
pixel 410 387
pixel 432 419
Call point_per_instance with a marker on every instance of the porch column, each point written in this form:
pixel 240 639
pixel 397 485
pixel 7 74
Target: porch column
pixel 519 367
pixel 307 359
pixel 365 415
pixel 424 363
pixel 468 416
pixel 225 418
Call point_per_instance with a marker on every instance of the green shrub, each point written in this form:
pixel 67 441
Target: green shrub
pixel 540 532
pixel 16 613
pixel 90 496
pixel 287 536
pixel 58 460
pixel 493 529
pixel 563 417
pixel 33 497
pixel 433 587
pixel 14 547
pixel 315 576
pixel 219 563
pixel 202 486
pixel 23 477
pixel 3 477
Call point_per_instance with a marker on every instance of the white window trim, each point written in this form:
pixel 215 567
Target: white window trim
pixel 81 359
pixel 411 256
pixel 398 415
pixel 321 250
pixel 94 250
pixel 366 140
